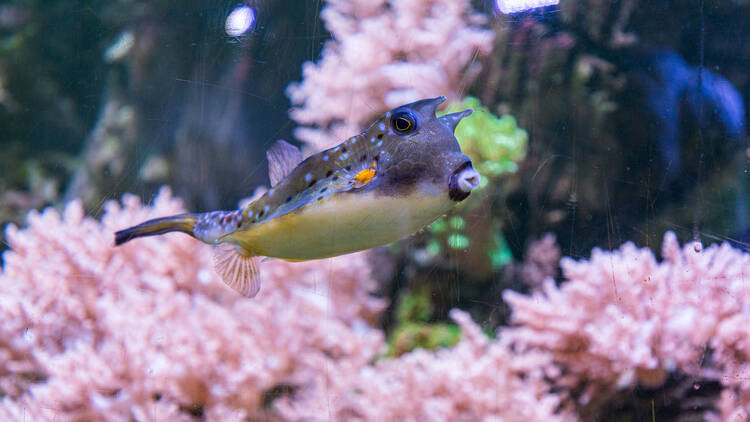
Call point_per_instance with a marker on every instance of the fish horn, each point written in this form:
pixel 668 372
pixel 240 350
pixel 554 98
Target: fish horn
pixel 427 107
pixel 177 223
pixel 451 120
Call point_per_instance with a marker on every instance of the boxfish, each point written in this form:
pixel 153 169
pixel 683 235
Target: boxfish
pixel 398 176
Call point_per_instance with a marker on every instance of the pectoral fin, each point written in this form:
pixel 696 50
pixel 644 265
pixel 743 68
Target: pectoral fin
pixel 238 269
pixel 283 157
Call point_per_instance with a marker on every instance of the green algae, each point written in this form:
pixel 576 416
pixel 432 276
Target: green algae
pixel 413 327
pixel 495 144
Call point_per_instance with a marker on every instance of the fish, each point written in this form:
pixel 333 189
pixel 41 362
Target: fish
pixel 386 183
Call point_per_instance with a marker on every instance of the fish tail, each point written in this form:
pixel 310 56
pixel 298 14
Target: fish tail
pixel 177 223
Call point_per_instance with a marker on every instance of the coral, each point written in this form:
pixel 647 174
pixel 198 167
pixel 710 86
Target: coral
pixel 409 335
pixel 146 331
pixel 434 54
pixel 413 328
pixel 478 379
pixel 625 319
pixel 494 144
pixel 540 261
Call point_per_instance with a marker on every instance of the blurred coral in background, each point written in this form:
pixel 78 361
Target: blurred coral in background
pixel 388 53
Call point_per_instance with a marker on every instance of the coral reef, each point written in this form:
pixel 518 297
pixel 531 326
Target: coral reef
pixel 146 332
pixel 434 54
pixel 624 319
pixel 636 117
pixel 477 379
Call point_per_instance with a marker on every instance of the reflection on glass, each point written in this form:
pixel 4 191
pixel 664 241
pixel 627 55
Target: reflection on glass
pixel 239 21
pixel 515 6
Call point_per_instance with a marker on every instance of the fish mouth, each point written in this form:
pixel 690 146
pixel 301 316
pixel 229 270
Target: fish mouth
pixel 463 180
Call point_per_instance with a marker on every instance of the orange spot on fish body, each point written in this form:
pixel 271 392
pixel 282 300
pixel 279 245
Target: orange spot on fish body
pixel 364 176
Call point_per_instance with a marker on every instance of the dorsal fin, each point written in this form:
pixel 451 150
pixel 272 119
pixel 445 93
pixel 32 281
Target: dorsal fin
pixel 283 157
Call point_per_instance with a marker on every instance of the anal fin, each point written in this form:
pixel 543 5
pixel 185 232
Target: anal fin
pixel 238 268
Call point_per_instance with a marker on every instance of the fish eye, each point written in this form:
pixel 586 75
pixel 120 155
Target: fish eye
pixel 403 122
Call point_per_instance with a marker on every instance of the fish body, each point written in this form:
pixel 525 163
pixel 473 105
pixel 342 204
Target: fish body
pixel 399 175
pixel 362 221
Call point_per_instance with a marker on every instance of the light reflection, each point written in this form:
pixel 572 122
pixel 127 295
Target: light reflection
pixel 239 21
pixel 515 6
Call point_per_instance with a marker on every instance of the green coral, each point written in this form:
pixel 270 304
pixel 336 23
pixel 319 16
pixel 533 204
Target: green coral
pixel 411 335
pixel 458 241
pixel 452 229
pixel 495 144
pixel 415 306
pixel 413 329
pixel 500 254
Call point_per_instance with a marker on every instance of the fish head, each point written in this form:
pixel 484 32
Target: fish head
pixel 423 146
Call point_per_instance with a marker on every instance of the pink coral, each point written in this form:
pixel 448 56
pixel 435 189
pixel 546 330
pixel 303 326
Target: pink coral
pixel 540 261
pixel 389 53
pixel 624 318
pixel 477 379
pixel 146 332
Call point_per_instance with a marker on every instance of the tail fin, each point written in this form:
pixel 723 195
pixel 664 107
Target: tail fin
pixel 177 223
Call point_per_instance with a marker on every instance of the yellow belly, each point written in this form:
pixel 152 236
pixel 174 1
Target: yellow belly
pixel 344 223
